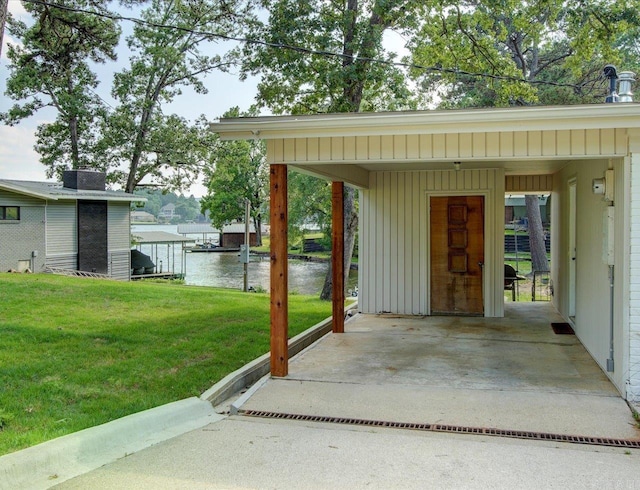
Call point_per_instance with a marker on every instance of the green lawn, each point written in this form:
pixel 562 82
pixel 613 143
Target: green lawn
pixel 75 353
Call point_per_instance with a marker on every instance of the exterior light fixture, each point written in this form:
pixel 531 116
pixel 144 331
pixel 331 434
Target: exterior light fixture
pixel 456 166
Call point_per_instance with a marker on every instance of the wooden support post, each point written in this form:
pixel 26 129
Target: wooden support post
pixel 337 255
pixel 279 272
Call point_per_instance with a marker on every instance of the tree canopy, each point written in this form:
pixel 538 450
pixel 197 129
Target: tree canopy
pixel 340 65
pixel 238 173
pixel 51 68
pixel 497 53
pixel 164 61
pixel 135 137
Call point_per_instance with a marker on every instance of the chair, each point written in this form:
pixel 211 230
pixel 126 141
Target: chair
pixel 510 279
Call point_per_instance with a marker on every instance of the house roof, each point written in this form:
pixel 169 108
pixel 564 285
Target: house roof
pixel 55 191
pixel 197 228
pixel 594 116
pixel 238 228
pixel 520 200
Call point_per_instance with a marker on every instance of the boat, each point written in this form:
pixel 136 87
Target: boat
pixel 203 247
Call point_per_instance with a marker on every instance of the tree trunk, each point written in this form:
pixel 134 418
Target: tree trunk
pixel 350 229
pixel 257 223
pixel 539 260
pixel 3 18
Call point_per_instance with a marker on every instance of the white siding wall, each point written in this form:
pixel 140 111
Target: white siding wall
pixel 62 235
pixel 425 147
pixel 633 375
pixel 19 240
pixel 394 244
pixel 119 240
pixel 593 306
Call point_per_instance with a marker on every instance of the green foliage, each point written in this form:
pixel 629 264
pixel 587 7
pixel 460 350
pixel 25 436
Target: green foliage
pixel 50 68
pixel 239 173
pixel 89 351
pixel 520 44
pixel 308 80
pixel 137 137
pixel 298 81
pixel 187 207
pixel 164 62
pixel 309 204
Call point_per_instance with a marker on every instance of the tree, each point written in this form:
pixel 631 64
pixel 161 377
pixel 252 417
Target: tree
pixel 51 69
pixel 3 18
pixel 547 52
pixel 308 81
pixel 166 60
pixel 309 200
pixel 239 173
pixel 537 246
pixel 528 52
pixel 136 138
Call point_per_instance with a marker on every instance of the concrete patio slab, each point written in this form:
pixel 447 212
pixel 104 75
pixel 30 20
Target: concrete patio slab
pixel 554 413
pixel 511 373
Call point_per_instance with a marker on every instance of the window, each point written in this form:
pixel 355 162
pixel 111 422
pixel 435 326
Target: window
pixel 9 213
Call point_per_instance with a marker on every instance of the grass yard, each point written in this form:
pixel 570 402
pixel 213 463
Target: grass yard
pixel 75 353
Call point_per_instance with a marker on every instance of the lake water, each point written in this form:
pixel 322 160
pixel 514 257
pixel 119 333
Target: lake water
pixel 224 269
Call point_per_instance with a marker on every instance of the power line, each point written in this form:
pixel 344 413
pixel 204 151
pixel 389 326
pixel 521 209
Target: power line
pixel 301 49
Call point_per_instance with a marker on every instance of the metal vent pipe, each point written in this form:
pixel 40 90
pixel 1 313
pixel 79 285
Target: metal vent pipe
pixel 611 73
pixel 626 79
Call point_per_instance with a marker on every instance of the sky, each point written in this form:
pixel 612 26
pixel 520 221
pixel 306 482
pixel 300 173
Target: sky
pixel 19 161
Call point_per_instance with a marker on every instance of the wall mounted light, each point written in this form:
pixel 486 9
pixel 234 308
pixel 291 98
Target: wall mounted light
pixel 456 166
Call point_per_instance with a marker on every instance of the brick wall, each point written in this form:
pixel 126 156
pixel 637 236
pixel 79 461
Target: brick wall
pixel 19 240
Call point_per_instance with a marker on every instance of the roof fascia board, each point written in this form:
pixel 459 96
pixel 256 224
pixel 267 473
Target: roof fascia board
pixel 601 116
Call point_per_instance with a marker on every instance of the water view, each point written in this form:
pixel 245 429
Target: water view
pixel 224 269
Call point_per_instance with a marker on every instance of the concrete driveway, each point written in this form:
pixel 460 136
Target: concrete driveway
pixel 511 373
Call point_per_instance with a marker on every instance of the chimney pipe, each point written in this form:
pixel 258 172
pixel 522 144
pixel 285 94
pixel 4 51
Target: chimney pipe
pixel 626 82
pixel 612 75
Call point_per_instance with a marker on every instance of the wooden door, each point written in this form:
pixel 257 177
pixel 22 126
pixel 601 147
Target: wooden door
pixel 457 255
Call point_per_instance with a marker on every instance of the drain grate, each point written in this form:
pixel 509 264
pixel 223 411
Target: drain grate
pixel 516 434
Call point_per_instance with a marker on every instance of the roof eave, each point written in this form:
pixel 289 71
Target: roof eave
pixel 595 116
pixel 26 192
pixel 55 196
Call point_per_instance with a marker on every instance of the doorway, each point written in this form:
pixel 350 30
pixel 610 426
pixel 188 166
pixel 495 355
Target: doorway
pixel 457 255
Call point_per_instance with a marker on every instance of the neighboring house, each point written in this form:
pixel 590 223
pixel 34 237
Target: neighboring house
pixel 74 225
pixel 142 217
pixel 432 188
pixel 168 211
pixel 515 210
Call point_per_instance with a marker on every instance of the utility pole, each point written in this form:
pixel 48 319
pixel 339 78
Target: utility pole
pixel 247 236
pixel 3 19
